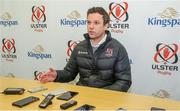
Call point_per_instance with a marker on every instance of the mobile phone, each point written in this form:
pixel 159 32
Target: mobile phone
pixel 67 95
pixel 157 109
pixel 55 92
pixel 121 109
pixel 37 89
pixel 68 104
pixel 85 107
pixel 47 101
pixel 25 101
pixel 14 91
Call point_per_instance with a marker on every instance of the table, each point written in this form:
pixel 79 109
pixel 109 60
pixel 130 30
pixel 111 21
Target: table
pixel 101 98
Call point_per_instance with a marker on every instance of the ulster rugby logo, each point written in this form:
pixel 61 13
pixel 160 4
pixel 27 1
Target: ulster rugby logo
pixel 166 53
pixel 38 18
pixel 118 13
pixel 166 58
pixel 9 49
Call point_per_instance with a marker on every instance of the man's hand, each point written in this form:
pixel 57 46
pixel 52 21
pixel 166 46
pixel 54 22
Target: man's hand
pixel 48 76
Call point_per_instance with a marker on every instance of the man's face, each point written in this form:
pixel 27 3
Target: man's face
pixel 96 28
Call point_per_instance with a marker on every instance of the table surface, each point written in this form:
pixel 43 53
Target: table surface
pixel 100 98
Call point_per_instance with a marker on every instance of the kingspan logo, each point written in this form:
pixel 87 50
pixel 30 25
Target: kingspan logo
pixel 38 53
pixel 73 20
pixel 168 17
pixel 6 20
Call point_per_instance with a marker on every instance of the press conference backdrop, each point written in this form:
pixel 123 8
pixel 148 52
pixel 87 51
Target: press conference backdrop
pixel 38 34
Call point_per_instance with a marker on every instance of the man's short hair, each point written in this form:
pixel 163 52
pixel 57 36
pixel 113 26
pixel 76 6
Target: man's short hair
pixel 101 11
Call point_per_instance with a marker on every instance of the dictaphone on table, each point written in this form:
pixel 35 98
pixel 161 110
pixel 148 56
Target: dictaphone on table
pixel 13 91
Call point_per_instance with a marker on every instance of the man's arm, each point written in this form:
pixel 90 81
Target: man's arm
pixel 70 70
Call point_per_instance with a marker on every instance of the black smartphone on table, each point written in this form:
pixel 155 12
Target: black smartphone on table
pixel 25 101
pixel 67 95
pixel 157 109
pixel 121 109
pixel 85 107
